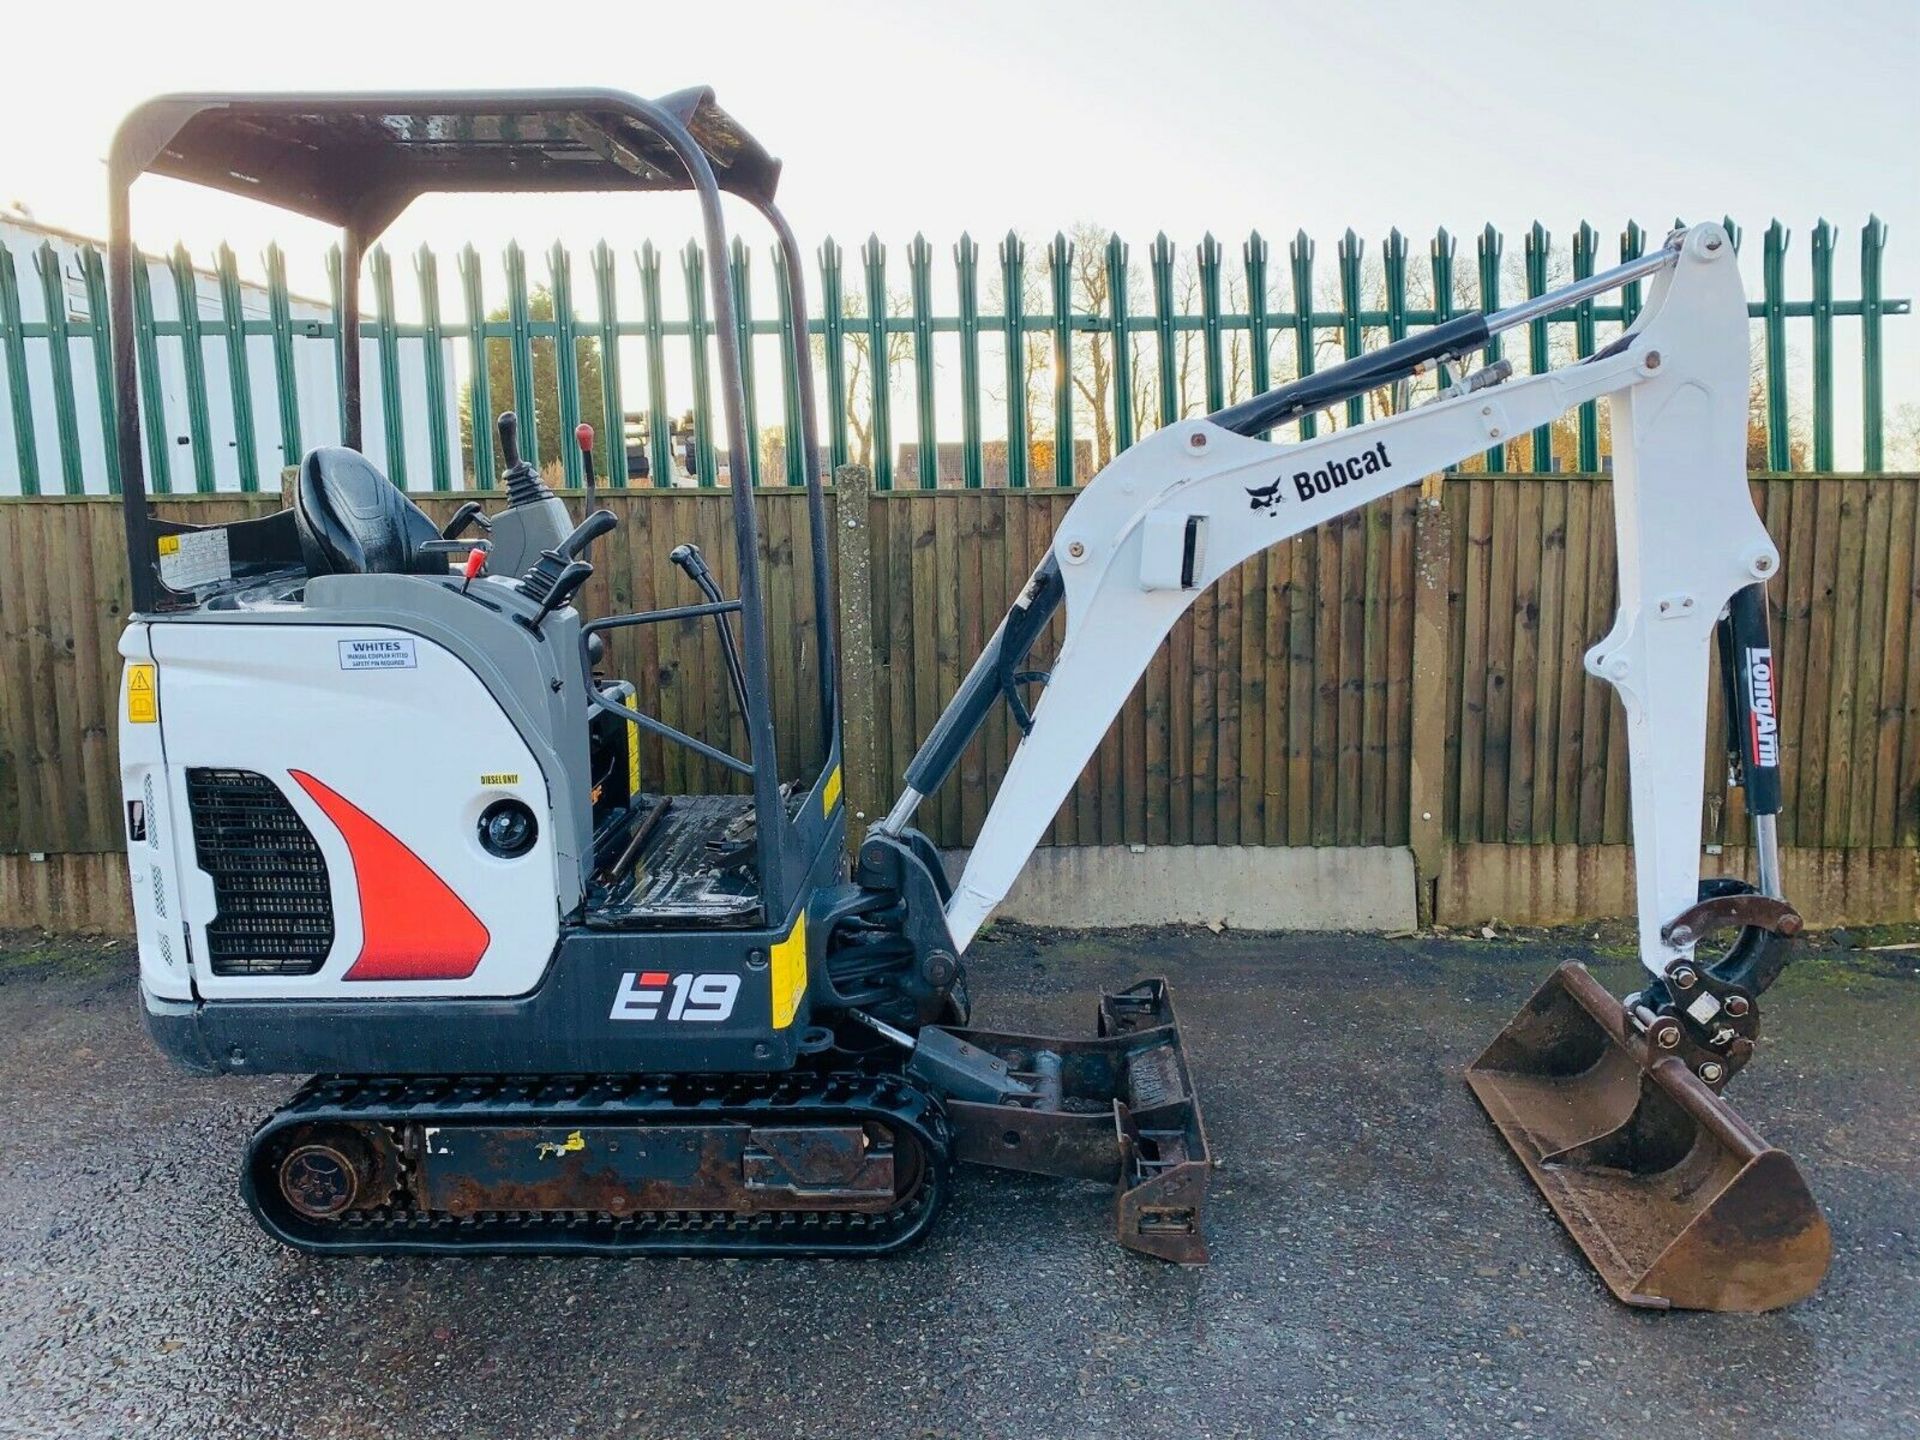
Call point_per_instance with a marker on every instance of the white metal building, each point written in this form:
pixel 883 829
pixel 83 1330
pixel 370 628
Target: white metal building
pixel 314 376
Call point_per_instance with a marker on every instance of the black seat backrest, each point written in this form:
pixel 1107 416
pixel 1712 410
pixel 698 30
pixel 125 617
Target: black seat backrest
pixel 354 521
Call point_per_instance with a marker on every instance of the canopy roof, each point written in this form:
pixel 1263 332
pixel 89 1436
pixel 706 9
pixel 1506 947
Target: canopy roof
pixel 358 159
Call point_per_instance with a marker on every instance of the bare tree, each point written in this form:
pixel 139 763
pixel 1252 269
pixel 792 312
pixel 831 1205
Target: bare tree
pixel 1799 449
pixel 1035 355
pixel 1093 372
pixel 860 373
pixel 1903 437
pixel 1093 366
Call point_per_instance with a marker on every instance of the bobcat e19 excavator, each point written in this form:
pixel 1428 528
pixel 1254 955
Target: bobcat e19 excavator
pixel 386 827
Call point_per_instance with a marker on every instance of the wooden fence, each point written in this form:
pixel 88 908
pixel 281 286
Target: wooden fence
pixel 1408 675
pixel 1535 749
pixel 1278 712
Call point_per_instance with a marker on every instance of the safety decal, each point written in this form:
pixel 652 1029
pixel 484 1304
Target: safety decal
pixel 554 1149
pixel 830 793
pixel 194 558
pixel 143 696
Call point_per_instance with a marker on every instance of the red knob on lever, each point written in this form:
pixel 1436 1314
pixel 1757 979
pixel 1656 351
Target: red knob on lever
pixel 476 562
pixel 583 436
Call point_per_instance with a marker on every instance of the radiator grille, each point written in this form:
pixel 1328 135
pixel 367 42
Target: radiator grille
pixel 269 877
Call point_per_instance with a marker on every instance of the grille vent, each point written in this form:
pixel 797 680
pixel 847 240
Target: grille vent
pixel 269 877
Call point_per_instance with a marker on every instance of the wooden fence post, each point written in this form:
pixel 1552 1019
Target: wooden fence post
pixel 1427 766
pixel 859 750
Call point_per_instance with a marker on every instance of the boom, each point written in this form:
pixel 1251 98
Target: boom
pixel 1185 506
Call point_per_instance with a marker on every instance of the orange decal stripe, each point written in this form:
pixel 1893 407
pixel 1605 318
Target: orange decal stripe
pixel 412 925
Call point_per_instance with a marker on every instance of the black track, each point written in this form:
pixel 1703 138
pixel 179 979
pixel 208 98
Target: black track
pixel 796 1098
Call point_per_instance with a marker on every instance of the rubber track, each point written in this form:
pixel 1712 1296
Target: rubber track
pixel 794 1098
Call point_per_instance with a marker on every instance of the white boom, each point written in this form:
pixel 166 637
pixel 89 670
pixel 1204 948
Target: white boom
pixel 1188 504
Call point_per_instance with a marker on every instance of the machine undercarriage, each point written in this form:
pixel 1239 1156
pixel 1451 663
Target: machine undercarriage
pixel 849 1153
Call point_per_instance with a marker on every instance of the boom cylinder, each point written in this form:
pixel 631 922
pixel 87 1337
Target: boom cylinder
pixel 1407 357
pixel 1541 306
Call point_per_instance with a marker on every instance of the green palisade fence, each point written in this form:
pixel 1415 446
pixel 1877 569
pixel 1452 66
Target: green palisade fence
pixel 1197 332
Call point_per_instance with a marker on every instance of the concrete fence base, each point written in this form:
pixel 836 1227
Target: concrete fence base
pixel 1243 886
pixel 71 894
pixel 1556 884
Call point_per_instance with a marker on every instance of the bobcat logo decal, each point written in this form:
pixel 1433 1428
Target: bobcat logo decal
pixel 1266 497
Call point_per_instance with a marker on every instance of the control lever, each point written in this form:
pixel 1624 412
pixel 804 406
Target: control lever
pixel 524 486
pixel 583 437
pixel 689 559
pixel 560 572
pixel 476 561
pixel 574 547
pixel 509 426
pixel 565 586
pixel 468 514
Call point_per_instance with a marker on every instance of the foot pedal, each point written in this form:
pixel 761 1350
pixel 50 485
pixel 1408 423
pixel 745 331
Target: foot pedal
pixel 1118 1109
pixel 1673 1197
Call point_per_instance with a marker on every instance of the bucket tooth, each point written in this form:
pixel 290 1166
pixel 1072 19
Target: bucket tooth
pixel 1672 1196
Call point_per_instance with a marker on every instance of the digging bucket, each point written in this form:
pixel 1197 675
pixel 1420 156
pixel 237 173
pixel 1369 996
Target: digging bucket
pixel 1673 1197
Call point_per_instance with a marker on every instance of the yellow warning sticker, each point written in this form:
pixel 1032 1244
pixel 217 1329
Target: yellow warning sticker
pixel 830 792
pixel 633 759
pixel 168 545
pixel 143 698
pixel 500 777
pixel 789 974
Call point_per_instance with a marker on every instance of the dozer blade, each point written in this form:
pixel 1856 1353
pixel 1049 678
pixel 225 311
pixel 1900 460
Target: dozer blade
pixel 1674 1198
pixel 1118 1109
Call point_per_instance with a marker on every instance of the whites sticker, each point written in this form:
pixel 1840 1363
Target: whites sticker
pixel 377 655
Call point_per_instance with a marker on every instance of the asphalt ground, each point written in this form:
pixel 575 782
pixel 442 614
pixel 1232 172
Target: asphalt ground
pixel 1381 1265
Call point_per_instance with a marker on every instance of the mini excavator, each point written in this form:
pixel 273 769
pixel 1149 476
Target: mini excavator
pixel 386 826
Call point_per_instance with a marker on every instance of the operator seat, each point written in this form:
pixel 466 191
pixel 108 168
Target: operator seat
pixel 354 521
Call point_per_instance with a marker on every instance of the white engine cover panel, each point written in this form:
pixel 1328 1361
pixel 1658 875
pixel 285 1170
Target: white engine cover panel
pixel 414 741
pixel 153 849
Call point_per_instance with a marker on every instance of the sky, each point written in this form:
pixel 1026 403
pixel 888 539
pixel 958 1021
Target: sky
pixel 1139 116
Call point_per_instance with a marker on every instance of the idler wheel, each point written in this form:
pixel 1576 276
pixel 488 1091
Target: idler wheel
pixel 326 1174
